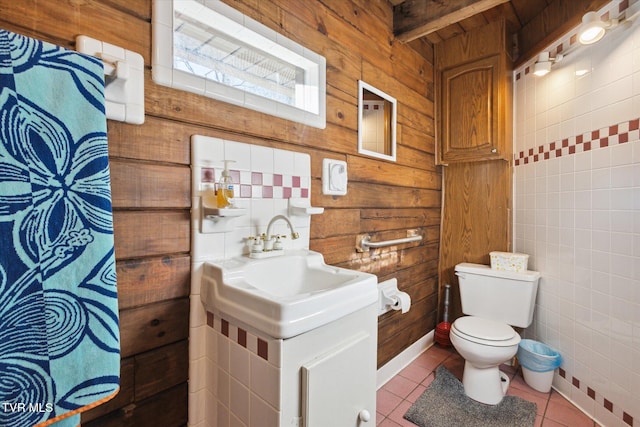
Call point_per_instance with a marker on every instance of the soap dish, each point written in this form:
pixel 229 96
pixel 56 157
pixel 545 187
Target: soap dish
pixel 301 207
pixel 223 212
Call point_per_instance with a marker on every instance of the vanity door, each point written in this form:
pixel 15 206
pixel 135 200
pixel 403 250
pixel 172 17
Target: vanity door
pixel 339 387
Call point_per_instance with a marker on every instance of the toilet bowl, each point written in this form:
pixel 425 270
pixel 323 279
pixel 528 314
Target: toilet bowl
pixel 484 344
pixel 493 301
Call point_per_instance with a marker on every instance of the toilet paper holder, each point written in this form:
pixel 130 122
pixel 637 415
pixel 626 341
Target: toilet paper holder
pixel 391 298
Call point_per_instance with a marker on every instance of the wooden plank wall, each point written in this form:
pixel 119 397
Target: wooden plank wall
pixel 476 207
pixel 476 219
pixel 151 175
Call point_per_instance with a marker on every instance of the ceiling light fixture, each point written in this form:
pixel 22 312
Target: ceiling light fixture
pixel 543 64
pixel 593 28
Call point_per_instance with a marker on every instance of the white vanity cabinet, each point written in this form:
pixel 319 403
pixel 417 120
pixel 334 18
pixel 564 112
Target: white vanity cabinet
pixel 325 377
pixel 332 372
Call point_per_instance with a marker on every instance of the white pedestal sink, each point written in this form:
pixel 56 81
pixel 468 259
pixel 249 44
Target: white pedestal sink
pixel 286 295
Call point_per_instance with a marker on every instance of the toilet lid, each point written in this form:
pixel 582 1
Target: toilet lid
pixel 484 329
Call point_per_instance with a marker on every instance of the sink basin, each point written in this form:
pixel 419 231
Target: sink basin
pixel 287 295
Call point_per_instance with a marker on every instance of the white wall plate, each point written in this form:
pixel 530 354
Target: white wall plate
pixel 334 177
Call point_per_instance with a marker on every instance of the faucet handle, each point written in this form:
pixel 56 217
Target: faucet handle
pixel 254 242
pixel 277 245
pixel 277 237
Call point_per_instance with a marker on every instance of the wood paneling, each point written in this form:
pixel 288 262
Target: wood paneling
pixel 172 361
pixel 61 21
pixel 143 376
pixel 421 283
pixel 393 330
pixel 147 233
pixel 167 409
pixel 476 207
pixel 125 396
pixel 142 143
pixel 476 218
pixel 153 325
pixel 151 178
pixel 369 195
pixel 535 23
pixel 556 19
pixel 384 219
pixel 361 169
pixel 144 281
pixel 141 185
pixel 474 88
pixel 418 18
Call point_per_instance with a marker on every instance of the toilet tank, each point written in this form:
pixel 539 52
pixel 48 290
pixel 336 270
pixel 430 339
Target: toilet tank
pixel 505 296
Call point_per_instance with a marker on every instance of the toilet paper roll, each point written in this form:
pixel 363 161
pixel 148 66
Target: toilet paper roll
pixel 390 298
pixel 401 301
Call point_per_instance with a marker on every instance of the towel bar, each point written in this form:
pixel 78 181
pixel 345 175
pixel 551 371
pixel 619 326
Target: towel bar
pixel 363 241
pixel 124 79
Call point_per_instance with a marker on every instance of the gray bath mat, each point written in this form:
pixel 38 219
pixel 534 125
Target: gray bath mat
pixel 444 404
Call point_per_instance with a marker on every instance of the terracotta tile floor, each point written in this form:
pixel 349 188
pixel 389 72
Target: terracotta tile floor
pixel 397 395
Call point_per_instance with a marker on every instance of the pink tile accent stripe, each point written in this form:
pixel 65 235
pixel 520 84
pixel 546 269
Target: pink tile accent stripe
pixel 257 186
pixel 620 133
pixel 606 403
pixel 254 344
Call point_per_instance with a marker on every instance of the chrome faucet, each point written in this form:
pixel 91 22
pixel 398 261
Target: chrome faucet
pixel 294 233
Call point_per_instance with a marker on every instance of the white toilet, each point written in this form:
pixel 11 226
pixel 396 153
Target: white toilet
pixel 492 301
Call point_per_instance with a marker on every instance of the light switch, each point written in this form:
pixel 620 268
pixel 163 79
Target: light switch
pixel 334 177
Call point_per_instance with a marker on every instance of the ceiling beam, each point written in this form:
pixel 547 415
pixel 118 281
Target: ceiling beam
pixel 413 19
pixel 555 20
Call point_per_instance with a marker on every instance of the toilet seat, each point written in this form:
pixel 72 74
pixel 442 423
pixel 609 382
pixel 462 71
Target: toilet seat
pixel 485 331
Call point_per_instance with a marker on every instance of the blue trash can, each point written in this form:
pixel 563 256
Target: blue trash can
pixel 538 362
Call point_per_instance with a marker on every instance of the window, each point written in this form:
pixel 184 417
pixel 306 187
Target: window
pixel 215 51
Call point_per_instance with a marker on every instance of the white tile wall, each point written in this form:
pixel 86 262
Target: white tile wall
pixel 240 383
pixel 207 152
pixel 230 385
pixel 577 213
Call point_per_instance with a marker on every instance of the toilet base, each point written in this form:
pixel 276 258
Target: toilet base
pixel 485 385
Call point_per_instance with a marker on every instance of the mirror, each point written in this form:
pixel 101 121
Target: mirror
pixel 376 122
pixel 215 51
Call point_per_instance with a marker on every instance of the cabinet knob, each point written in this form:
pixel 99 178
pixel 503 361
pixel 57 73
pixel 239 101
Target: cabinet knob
pixel 494 150
pixel 365 415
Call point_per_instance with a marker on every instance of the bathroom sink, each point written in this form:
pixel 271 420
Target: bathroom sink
pixel 287 295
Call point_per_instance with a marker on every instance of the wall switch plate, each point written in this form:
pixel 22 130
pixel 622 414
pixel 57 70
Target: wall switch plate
pixel 334 177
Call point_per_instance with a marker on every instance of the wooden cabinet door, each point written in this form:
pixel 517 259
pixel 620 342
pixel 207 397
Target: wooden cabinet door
pixel 469 111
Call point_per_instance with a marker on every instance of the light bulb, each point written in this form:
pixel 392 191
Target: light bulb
pixel 592 30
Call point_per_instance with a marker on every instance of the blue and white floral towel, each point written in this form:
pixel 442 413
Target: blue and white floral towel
pixel 59 339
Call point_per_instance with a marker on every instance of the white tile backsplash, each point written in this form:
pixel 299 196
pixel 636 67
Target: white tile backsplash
pixel 241 388
pixel 262 159
pixel 269 177
pixel 577 213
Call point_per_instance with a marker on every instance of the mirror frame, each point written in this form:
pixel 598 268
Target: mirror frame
pixel 362 86
pixel 311 92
